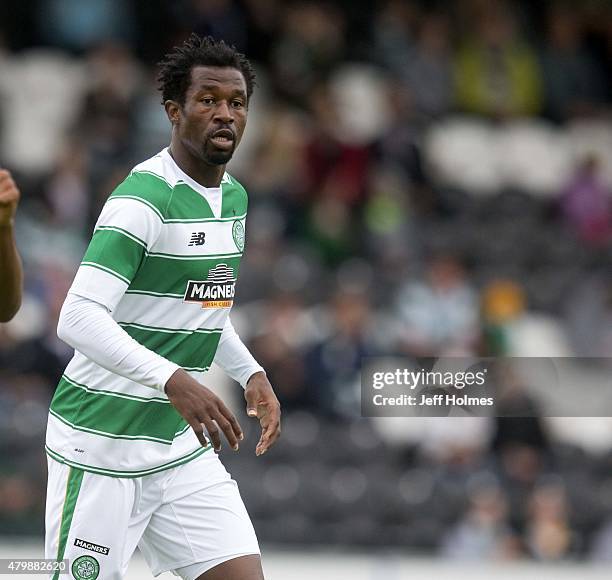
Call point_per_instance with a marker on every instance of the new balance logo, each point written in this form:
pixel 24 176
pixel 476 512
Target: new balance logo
pixel 197 239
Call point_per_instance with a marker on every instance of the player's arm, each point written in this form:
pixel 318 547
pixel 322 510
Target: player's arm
pixel 88 327
pixel 236 360
pixel 124 231
pixel 11 275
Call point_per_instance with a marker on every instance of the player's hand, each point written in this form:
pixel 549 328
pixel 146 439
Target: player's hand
pixel 9 198
pixel 202 408
pixel 263 404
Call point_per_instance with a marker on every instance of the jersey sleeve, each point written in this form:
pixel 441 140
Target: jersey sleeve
pixel 124 232
pixel 234 357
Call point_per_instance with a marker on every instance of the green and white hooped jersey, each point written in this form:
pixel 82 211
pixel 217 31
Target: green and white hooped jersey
pixel 164 259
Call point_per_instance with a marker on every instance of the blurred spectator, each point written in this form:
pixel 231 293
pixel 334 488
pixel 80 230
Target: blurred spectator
pixel 284 331
pixel 334 362
pixel 573 84
pixel 80 24
pixel 439 314
pixel 35 122
pixel 601 548
pixel 222 19
pixel 393 34
pixel 548 532
pixel 502 302
pixel 587 203
pixel 263 20
pixel 310 45
pixel 483 533
pixel 512 330
pixel 427 71
pixel 496 72
pixel 518 421
pixel 67 191
pixel 589 316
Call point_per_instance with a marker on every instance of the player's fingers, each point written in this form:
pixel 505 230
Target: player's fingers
pixel 267 440
pixel 213 433
pixel 228 431
pixel 231 419
pixel 251 399
pixel 198 429
pixel 271 429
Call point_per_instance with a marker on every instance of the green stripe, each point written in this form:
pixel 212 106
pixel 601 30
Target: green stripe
pixel 116 251
pixel 192 350
pixel 113 416
pixel 165 276
pixel 138 473
pixel 108 435
pixel 73 486
pixel 107 270
pixel 170 330
pixel 125 233
pixel 139 172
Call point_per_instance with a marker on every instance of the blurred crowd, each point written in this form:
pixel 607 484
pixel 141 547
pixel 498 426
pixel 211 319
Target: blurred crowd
pixel 378 224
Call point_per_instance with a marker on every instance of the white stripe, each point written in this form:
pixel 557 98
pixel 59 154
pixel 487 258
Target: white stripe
pixel 138 204
pixel 84 371
pixel 165 312
pixel 105 269
pixel 218 239
pixel 97 285
pixel 111 393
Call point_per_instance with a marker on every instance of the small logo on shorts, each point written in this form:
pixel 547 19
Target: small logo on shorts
pixel 85 568
pixel 91 546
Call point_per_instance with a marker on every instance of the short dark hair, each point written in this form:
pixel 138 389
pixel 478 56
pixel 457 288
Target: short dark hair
pixel 175 68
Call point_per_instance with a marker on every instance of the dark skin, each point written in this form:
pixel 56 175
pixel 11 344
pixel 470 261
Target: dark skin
pixel 11 275
pixel 206 129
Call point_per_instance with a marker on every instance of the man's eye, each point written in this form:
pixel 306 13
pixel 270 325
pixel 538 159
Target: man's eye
pixel 237 104
pixel 207 100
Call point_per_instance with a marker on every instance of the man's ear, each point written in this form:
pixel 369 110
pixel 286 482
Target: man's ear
pixel 173 110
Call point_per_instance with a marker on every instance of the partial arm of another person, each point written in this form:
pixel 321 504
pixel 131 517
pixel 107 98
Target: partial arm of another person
pixel 11 275
pixel 236 360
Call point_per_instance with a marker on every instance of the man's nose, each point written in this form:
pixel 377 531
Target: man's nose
pixel 223 112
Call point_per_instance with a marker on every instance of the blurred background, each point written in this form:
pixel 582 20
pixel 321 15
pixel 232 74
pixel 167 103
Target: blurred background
pixel 425 178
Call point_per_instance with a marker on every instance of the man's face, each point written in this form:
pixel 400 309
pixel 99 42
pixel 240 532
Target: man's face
pixel 211 121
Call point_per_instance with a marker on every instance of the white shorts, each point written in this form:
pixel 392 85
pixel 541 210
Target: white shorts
pixel 187 520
